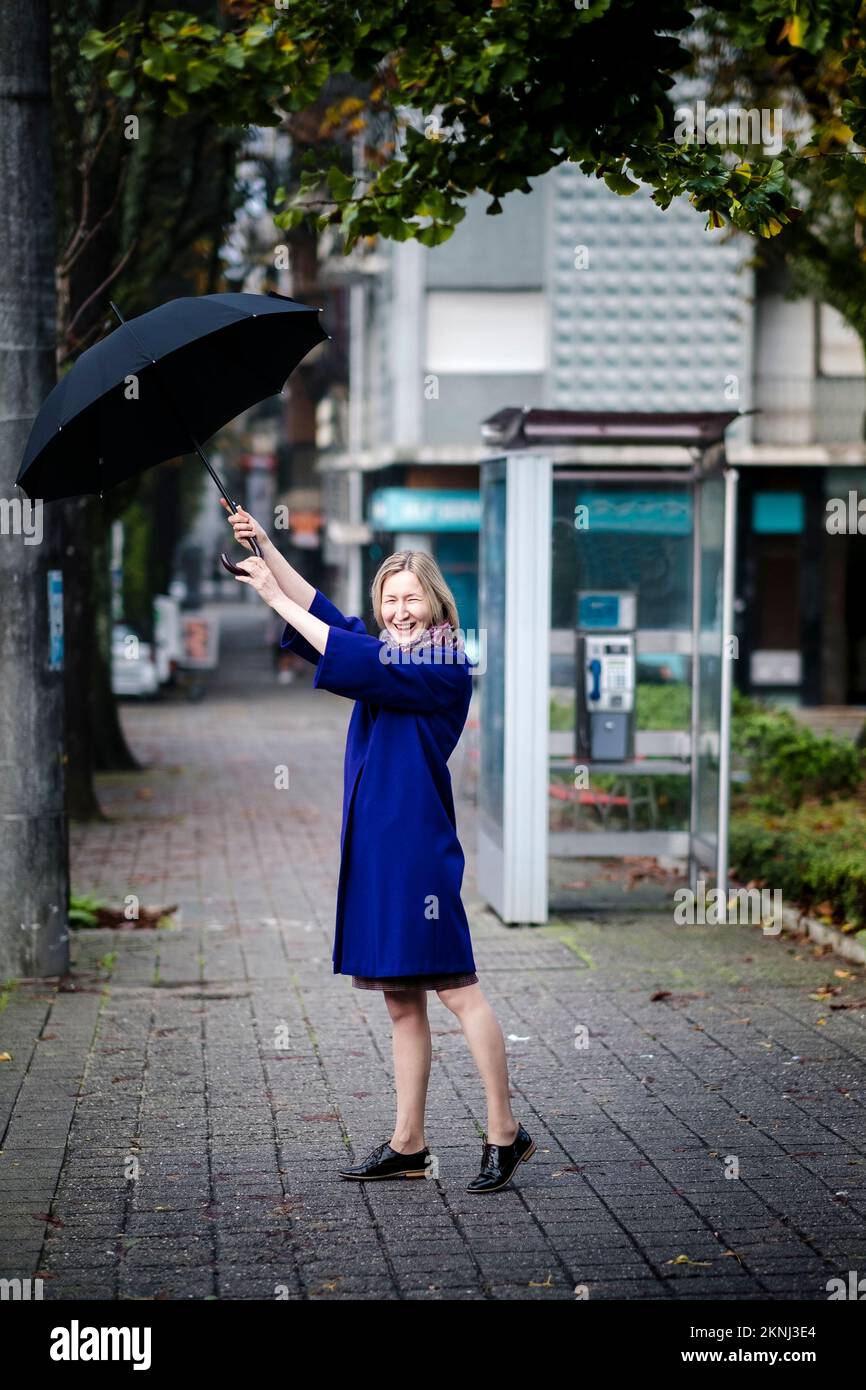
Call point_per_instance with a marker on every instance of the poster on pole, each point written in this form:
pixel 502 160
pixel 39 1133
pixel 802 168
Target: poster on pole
pixel 199 641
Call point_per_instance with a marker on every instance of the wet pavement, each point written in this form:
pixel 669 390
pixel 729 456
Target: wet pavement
pixel 174 1114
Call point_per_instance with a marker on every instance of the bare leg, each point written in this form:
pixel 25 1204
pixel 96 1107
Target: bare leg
pixel 483 1034
pixel 413 1050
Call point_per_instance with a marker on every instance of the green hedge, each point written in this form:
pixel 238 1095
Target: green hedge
pixel 667 705
pixel 787 762
pixel 812 863
pixel 797 824
pixel 657 706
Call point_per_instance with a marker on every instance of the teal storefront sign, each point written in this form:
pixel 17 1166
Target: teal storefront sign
pixel 419 509
pixel 778 513
pixel 643 513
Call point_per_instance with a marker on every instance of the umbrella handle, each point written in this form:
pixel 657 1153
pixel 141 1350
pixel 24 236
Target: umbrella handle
pixel 232 569
pixel 256 548
pixel 224 559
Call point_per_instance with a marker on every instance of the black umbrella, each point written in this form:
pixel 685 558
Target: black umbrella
pixel 160 383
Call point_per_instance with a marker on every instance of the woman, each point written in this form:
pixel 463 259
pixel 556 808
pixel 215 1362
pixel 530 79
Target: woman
pixel 400 926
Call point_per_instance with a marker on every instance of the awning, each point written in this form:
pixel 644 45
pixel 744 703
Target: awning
pixel 517 427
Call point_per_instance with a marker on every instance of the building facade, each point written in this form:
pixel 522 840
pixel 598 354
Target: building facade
pixel 576 298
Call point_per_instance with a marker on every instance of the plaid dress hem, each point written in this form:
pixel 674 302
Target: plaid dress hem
pixel 453 981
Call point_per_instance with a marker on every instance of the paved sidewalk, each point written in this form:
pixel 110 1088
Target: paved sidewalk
pixel 171 1125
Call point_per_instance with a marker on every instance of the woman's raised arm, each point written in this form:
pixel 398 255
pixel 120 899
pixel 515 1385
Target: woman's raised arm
pixel 293 584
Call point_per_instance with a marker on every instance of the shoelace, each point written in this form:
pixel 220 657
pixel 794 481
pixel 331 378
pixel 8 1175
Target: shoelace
pixel 487 1166
pixel 486 1152
pixel 375 1154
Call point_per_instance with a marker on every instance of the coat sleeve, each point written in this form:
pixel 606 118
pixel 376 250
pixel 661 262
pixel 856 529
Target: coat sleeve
pixel 320 607
pixel 352 664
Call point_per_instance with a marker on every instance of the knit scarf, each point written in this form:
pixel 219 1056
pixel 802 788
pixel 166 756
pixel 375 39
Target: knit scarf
pixel 441 635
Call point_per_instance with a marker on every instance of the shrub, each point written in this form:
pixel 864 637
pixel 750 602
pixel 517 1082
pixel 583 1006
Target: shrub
pixel 82 910
pixel 787 762
pixel 809 863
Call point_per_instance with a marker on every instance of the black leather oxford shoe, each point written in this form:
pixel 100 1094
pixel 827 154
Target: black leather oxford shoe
pixel 385 1162
pixel 498 1162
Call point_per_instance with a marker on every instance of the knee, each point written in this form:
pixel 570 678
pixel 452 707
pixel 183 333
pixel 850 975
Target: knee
pixel 460 1001
pixel 406 1004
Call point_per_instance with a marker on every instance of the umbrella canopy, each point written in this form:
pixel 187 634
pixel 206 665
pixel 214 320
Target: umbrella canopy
pixel 159 384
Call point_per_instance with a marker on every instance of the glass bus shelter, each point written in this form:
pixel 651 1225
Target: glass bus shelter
pixel 606 607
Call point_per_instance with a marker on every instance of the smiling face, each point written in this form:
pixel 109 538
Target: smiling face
pixel 406 609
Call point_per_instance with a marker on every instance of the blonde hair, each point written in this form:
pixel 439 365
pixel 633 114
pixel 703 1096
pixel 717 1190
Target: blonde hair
pixel 443 608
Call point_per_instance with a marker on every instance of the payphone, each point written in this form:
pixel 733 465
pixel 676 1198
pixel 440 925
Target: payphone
pixel 605 675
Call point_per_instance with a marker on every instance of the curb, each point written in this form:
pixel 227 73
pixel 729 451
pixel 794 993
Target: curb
pixel 824 935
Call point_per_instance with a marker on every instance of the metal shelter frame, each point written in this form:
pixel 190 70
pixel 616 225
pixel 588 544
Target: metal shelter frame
pixel 537 446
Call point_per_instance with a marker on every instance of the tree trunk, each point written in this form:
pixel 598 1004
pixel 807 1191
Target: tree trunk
pixel 34 871
pixel 95 739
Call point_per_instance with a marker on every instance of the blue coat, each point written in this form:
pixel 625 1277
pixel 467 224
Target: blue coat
pixel 399 910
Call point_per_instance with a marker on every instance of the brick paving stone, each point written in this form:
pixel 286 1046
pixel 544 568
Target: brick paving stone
pixel 182 1117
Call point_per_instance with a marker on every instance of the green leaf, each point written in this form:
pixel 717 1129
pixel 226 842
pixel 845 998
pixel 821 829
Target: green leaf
pixel 233 55
pixel 94 45
pixel 432 204
pixel 340 186
pixel 435 235
pixel 291 218
pixel 388 177
pixel 255 35
pixel 620 182
pixel 121 82
pixel 79 918
pixel 154 66
pixel 177 104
